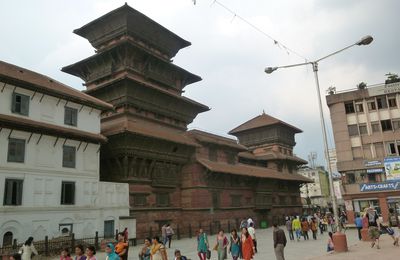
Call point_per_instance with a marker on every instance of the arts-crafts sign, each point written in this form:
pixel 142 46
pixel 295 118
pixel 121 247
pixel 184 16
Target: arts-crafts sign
pixel 392 168
pixel 384 89
pixel 382 186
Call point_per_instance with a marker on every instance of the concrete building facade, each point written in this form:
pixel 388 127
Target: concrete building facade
pixel 316 194
pixel 366 128
pixel 49 161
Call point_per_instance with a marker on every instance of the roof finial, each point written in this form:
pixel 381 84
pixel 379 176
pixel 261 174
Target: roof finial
pixel 263 112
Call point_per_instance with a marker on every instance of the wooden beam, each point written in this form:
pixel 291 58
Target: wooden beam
pixel 66 103
pixel 98 150
pixel 2 89
pixel 81 108
pixel 10 133
pixel 34 93
pixel 29 139
pixel 91 110
pixel 65 141
pixel 84 149
pixel 40 101
pixel 40 137
pixel 55 142
pixel 79 146
pixel 14 89
pixel 58 102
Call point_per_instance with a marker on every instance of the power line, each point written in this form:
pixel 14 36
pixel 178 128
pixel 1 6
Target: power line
pixel 275 42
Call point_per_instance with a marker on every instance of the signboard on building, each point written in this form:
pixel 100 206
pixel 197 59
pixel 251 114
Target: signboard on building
pixel 384 89
pixel 381 186
pixel 372 163
pixel 336 189
pixel 349 205
pixel 392 168
pixel 375 170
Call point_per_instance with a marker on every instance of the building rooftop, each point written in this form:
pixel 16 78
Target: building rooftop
pixel 127 21
pixel 272 155
pixel 21 77
pixel 205 137
pixel 252 171
pixel 262 121
pixel 24 124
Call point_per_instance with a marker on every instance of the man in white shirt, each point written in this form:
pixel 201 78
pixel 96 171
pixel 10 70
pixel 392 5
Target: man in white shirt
pixel 252 233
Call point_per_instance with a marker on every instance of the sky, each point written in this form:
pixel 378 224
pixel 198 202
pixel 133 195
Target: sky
pixel 228 53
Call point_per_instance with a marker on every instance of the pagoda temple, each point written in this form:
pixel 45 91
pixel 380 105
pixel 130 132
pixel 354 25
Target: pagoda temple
pixel 190 179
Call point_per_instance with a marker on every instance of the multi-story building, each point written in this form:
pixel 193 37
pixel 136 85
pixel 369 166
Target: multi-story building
pixel 315 195
pixel 49 161
pixel 366 128
pixel 189 179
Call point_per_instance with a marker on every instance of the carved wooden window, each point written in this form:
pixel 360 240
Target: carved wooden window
pixel 215 200
pixel 212 154
pixel 162 199
pixel 139 199
pixel 236 200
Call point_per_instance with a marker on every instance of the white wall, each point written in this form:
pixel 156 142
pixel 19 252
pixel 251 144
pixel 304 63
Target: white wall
pixel 48 111
pixel 41 212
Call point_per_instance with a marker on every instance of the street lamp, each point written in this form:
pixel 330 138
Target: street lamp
pixel 364 41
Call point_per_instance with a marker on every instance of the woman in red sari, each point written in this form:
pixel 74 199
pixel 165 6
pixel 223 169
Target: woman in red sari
pixel 247 245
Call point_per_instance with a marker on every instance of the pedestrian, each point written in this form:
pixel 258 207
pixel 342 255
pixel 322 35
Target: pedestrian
pixel 122 247
pixel 289 228
pixel 202 245
pixel 28 249
pixel 144 253
pixel 248 249
pixel 279 242
pixel 250 221
pixel 65 255
pixel 252 233
pixel 243 224
pixel 343 220
pixel 314 228
pixel 164 234
pixel 374 228
pixel 234 248
pixel 221 245
pixel 91 253
pixel 158 251
pixel 169 233
pixel 304 228
pixel 359 225
pixel 330 246
pixel 178 255
pixel 296 226
pixel 110 251
pixel 79 253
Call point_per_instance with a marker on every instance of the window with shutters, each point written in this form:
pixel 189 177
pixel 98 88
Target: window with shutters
pixel 16 150
pixel 349 107
pixel 359 108
pixel 392 102
pixel 363 129
pixel 371 105
pixel 381 102
pixel 162 199
pixel 375 126
pixel 67 193
pixel 20 104
pixel 71 116
pixel 353 130
pixel 379 150
pixel 386 125
pixel 13 192
pixel 391 148
pixel 69 155
pixel 396 124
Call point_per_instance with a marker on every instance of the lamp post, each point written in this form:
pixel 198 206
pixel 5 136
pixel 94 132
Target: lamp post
pixel 364 41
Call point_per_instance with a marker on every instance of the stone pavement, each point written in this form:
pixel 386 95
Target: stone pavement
pixel 303 250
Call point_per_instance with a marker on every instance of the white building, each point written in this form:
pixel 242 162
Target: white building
pixel 318 191
pixel 49 161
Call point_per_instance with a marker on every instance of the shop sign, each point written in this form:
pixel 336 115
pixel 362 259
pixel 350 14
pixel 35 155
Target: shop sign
pixel 392 168
pixel 384 89
pixel 375 170
pixel 381 186
pixel 372 163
